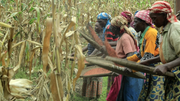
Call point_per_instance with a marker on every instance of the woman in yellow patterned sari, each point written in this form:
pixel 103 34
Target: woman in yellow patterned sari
pixel 153 88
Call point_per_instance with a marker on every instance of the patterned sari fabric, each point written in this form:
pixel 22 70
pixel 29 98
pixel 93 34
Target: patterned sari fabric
pixel 172 86
pixel 153 88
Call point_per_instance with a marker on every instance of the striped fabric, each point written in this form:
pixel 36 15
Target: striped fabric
pixel 110 35
pixel 163 7
pixel 128 15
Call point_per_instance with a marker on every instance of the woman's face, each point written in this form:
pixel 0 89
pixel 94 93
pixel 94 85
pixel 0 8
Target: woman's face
pixel 138 24
pixel 159 19
pixel 102 22
pixel 98 27
pixel 116 30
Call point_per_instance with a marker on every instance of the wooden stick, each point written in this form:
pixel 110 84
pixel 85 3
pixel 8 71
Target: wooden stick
pixel 100 48
pixel 94 35
pixel 136 66
pixel 109 66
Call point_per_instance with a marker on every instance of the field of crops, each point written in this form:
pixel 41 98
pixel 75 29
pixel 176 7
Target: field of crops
pixel 38 36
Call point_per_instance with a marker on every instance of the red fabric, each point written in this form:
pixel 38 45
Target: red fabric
pixel 110 35
pixel 144 15
pixel 163 7
pixel 128 15
pixel 115 88
pixel 111 52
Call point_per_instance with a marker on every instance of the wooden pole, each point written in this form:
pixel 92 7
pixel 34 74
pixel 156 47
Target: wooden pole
pixel 112 67
pixel 95 44
pixel 136 66
pixel 177 6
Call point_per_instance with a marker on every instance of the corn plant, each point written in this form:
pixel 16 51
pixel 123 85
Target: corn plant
pixel 44 33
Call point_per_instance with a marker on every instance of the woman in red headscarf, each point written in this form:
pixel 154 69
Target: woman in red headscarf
pixel 153 88
pixel 129 16
pixel 162 16
pixel 126 46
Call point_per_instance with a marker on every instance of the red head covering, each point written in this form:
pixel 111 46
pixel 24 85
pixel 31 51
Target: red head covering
pixel 144 15
pixel 163 7
pixel 128 15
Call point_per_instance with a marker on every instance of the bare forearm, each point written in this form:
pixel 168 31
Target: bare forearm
pixel 172 64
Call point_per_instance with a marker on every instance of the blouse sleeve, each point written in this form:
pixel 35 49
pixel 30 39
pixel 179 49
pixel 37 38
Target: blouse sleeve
pixel 134 57
pixel 175 39
pixel 150 45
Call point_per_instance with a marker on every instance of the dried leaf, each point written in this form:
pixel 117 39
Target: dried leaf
pixel 20 56
pixel 31 59
pixel 46 43
pixel 81 65
pixel 55 87
pixel 5 25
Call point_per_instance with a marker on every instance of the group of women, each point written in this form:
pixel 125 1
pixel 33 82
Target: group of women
pixel 149 48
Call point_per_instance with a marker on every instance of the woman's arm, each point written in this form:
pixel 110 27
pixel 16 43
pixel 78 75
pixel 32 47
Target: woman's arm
pixel 161 69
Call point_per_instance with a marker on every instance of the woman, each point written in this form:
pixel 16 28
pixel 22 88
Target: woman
pixel 104 20
pixel 129 16
pixel 153 88
pixel 112 39
pixel 162 16
pixel 92 86
pixel 126 46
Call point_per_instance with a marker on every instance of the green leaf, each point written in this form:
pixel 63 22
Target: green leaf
pixel 32 8
pixel 24 6
pixel 31 2
pixel 32 20
pixel 18 33
pixel 14 14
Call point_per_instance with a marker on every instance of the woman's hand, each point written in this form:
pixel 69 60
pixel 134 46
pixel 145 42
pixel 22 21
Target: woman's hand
pixel 161 69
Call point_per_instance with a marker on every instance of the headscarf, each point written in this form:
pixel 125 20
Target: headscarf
pixel 136 12
pixel 128 15
pixel 164 7
pixel 122 22
pixel 144 15
pixel 105 16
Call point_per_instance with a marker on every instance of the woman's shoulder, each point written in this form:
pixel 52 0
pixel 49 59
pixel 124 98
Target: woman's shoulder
pixel 125 36
pixel 151 32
